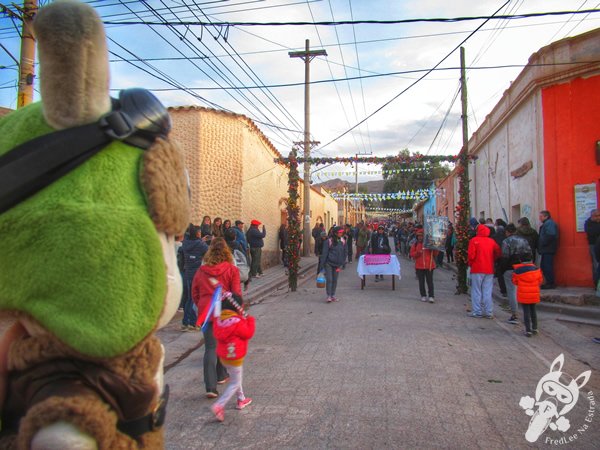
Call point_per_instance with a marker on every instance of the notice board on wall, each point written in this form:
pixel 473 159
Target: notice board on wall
pixel 586 200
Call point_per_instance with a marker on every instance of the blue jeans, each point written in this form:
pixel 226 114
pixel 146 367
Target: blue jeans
pixel 213 369
pixel 331 277
pixel 481 293
pixel 547 266
pixel 189 311
pixel 511 291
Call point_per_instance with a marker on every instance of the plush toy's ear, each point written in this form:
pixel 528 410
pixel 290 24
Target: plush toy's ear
pixel 165 185
pixel 74 70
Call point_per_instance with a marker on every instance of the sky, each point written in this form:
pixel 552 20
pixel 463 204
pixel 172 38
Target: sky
pixel 419 110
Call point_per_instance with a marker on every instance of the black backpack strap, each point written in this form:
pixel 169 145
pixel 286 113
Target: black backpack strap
pixel 39 162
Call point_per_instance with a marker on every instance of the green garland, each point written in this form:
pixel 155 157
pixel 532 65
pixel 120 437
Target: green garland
pixel 293 211
pixel 417 157
pixel 462 226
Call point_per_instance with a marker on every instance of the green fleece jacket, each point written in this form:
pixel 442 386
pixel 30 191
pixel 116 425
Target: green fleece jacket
pixel 82 256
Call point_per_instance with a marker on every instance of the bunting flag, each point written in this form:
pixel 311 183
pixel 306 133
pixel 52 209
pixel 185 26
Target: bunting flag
pixel 389 210
pixel 419 194
pixel 371 172
pixel 205 316
pixel 398 159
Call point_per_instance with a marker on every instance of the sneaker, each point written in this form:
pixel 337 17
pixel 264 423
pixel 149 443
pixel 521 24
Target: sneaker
pixel 489 317
pixel 193 328
pixel 241 404
pixel 423 299
pixel 259 275
pixel 334 299
pixel 329 299
pixel 528 333
pixel 513 319
pixel 183 328
pixel 219 412
pixel 477 316
pixel 212 394
pixel 431 300
pixel 224 380
pixel 535 331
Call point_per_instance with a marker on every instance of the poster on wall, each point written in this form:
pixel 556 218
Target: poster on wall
pixel 435 232
pixel 586 200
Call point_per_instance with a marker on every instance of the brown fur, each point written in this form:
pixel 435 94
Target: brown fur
pixel 139 364
pixel 89 413
pixel 74 76
pixel 166 187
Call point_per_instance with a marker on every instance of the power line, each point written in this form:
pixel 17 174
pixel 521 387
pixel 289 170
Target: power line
pixel 335 80
pixel 358 22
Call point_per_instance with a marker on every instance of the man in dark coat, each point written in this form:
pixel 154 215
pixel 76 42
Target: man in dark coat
pixel 592 231
pixel 256 242
pixel 547 246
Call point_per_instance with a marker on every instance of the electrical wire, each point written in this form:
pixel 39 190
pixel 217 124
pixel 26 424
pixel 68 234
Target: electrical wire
pixel 360 22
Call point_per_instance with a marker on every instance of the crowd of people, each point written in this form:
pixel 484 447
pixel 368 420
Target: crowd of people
pixel 217 254
pixel 497 250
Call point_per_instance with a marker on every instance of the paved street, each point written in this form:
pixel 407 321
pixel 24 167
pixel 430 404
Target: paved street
pixel 380 369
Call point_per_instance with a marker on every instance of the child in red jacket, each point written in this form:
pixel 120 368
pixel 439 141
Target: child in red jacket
pixel 232 330
pixel 528 278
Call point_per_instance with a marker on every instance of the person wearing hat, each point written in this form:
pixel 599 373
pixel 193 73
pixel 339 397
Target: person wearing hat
pixel 424 265
pixel 256 242
pixel 240 237
pixel 380 245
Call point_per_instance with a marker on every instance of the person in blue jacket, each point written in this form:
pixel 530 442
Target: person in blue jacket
pixel 192 249
pixel 547 246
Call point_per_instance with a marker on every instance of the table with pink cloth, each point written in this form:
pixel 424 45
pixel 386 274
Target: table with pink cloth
pixel 378 265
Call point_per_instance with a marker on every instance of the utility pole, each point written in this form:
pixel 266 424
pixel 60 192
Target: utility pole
pixel 307 56
pixel 462 226
pixel 26 68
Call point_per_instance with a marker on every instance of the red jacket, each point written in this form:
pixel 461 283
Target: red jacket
pixel 527 278
pixel 424 257
pixel 206 280
pixel 483 251
pixel 232 332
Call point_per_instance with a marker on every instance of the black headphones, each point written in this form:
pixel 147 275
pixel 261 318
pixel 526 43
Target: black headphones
pixel 137 118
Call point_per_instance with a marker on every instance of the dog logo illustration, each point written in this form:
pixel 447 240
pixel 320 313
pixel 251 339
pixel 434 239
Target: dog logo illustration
pixel 555 395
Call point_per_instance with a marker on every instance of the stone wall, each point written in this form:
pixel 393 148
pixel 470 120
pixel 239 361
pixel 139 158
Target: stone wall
pixel 233 174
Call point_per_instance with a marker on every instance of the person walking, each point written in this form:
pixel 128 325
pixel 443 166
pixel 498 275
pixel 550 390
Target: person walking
pixel 482 252
pixel 349 240
pixel 217 269
pixel 450 243
pixel 192 251
pixel 283 243
pixel 526 231
pixel 592 231
pixel 333 257
pixel 233 329
pixel 380 245
pixel 528 278
pixel 515 250
pixel 256 243
pixel 424 265
pixel 316 234
pixel 547 247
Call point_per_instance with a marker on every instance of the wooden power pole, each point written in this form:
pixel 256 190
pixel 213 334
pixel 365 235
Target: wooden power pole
pixel 462 227
pixel 307 56
pixel 26 66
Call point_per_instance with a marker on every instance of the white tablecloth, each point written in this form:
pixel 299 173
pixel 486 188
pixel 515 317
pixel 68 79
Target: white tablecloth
pixel 392 268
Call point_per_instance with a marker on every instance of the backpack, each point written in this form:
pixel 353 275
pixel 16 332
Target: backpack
pixel 240 261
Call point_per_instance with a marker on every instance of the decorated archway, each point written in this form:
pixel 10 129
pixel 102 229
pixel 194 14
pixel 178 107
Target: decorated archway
pixel 293 209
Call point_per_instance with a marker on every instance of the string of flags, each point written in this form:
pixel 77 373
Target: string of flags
pixel 419 194
pixel 371 172
pixel 389 210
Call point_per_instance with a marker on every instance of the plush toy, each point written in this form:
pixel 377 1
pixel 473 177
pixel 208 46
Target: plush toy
pixel 88 270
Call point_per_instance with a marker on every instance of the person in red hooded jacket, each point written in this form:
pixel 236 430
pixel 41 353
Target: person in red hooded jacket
pixel 233 329
pixel 217 269
pixel 482 253
pixel 424 265
pixel 528 278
